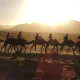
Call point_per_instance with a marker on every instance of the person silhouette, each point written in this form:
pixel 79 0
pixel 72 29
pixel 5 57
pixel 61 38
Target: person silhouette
pixel 50 36
pixel 8 36
pixel 78 37
pixel 37 37
pixel 66 37
pixel 19 36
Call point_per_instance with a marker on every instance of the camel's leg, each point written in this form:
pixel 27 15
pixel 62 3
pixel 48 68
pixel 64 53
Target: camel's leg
pixel 53 48
pixel 57 48
pixel 31 47
pixel 41 48
pixel 4 46
pixel 35 49
pixel 46 48
pixel 79 49
pixel 24 48
pixel 10 47
pixel 21 48
pixel 15 48
pixel 75 47
pixel 45 56
pixel 68 50
pixel 61 49
pixel 73 50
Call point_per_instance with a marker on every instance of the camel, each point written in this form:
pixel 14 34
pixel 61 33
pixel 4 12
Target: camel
pixel 41 42
pixel 52 42
pixel 77 45
pixel 68 43
pixel 14 43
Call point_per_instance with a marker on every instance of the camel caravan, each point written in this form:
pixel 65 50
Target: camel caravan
pixel 20 41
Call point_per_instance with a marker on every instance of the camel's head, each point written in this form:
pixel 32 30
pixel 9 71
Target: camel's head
pixel 1 40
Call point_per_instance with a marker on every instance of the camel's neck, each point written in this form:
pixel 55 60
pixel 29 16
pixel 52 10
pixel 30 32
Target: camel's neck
pixel 30 42
pixel 1 40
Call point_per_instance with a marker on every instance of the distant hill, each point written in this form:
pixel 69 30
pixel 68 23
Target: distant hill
pixel 34 27
pixel 71 26
pixel 4 27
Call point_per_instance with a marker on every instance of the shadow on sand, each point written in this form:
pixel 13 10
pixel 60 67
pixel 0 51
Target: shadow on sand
pixel 19 66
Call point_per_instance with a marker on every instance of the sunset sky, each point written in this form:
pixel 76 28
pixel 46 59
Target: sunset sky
pixel 13 12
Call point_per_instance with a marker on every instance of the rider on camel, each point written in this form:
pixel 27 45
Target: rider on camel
pixel 8 36
pixel 37 37
pixel 66 37
pixel 19 36
pixel 78 37
pixel 50 36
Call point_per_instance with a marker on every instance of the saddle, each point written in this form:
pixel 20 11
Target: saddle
pixel 69 41
pixel 38 40
pixel 51 41
pixel 20 39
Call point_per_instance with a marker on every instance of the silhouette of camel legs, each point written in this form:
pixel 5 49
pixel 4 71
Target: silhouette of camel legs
pixel 34 45
pixel 11 47
pixel 53 48
pixel 57 48
pixel 15 48
pixel 73 51
pixel 68 50
pixel 42 47
pixel 31 48
pixel 35 48
pixel 61 49
pixel 23 46
pixel 4 46
pixel 75 48
pixel 46 48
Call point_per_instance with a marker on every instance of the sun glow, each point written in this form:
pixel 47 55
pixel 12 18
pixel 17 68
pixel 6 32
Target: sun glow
pixel 49 11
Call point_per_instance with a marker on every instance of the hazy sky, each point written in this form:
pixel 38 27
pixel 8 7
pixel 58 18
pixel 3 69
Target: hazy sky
pixel 14 12
pixel 9 11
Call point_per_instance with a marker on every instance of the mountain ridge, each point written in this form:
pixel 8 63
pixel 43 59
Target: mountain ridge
pixel 71 26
